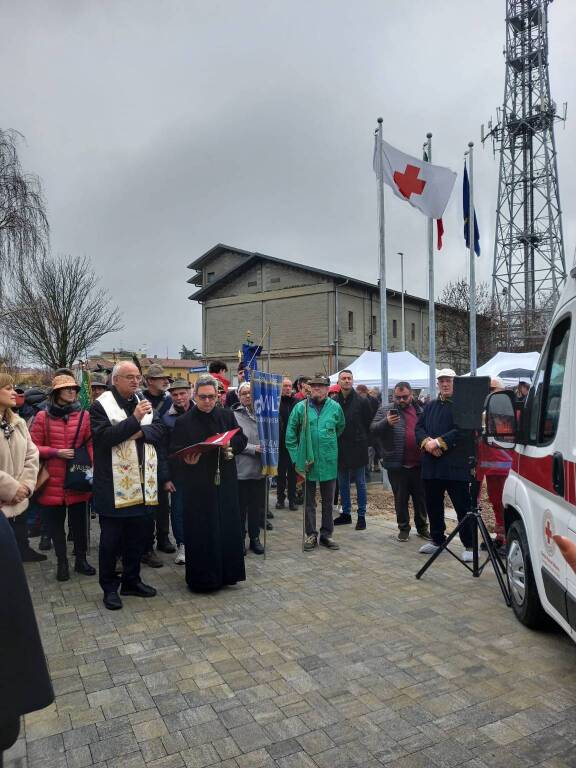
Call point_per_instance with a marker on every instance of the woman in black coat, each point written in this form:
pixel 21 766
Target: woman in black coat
pixel 213 536
pixel 24 680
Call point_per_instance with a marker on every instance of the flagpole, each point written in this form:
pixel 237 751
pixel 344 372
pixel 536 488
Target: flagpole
pixel 471 239
pixel 382 264
pixel 431 307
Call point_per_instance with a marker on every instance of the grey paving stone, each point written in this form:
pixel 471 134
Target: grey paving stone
pixel 117 746
pixel 283 748
pixel 250 737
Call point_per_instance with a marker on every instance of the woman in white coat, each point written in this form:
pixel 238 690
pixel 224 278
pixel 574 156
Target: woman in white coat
pixel 18 454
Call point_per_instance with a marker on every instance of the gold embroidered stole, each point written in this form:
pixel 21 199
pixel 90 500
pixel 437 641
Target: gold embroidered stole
pixel 133 484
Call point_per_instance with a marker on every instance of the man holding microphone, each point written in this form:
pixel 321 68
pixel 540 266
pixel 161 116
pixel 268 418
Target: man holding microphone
pixel 126 434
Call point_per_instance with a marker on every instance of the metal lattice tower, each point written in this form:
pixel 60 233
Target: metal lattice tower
pixel 529 264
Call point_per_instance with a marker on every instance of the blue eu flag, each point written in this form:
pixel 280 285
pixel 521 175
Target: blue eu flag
pixel 466 212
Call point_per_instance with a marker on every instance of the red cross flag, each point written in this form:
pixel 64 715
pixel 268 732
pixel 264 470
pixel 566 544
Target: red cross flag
pixel 425 186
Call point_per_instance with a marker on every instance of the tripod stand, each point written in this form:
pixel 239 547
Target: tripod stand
pixel 474 518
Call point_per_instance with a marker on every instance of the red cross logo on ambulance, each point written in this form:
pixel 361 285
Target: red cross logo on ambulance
pixel 549 543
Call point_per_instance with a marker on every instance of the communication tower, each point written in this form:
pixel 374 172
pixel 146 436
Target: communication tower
pixel 529 263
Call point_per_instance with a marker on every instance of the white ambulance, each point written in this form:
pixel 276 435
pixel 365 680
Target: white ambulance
pixel 540 492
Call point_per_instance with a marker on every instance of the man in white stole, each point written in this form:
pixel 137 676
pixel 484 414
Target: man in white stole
pixel 127 436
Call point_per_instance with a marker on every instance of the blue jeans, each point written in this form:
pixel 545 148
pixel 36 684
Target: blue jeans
pixel 345 478
pixel 177 515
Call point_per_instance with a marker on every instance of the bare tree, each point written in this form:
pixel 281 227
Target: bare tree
pixel 453 324
pixel 23 223
pixel 56 311
pixel 10 358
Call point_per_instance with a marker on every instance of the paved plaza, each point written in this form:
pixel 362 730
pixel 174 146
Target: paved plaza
pixel 319 660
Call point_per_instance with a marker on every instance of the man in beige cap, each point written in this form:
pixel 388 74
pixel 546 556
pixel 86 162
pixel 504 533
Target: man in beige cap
pixel 157 382
pixel 445 465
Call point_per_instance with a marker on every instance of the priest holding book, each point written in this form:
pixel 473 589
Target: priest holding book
pixel 213 537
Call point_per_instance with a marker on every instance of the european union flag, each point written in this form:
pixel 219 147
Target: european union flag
pixel 466 212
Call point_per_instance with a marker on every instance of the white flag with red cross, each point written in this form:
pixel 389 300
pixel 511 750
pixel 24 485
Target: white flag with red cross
pixel 425 186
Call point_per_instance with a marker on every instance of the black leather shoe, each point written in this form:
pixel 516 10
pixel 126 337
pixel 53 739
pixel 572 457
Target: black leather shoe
pixel 269 526
pixel 138 590
pixel 279 505
pixel 45 543
pixel 343 519
pixel 270 515
pixel 152 560
pixel 30 555
pixel 62 572
pixel 165 545
pixel 112 601
pixel 361 523
pixel 292 506
pixel 83 566
pixel 256 546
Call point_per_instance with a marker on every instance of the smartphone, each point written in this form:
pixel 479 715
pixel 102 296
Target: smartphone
pixel 393 412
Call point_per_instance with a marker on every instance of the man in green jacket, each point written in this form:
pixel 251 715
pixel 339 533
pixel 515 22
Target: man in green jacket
pixel 312 442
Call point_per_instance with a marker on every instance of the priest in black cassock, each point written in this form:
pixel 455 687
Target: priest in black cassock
pixel 213 538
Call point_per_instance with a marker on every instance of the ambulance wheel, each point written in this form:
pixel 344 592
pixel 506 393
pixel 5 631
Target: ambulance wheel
pixel 521 583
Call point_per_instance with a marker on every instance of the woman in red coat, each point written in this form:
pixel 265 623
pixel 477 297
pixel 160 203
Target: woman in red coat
pixel 63 426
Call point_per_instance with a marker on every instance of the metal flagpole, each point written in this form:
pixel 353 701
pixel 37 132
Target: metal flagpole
pixel 471 236
pixel 431 308
pixel 382 260
pixel 402 290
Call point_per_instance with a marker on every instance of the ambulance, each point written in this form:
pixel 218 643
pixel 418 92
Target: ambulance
pixel 540 492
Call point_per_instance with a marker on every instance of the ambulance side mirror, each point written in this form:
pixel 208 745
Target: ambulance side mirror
pixel 501 420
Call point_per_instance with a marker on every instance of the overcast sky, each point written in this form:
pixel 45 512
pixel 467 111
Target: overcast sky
pixel 161 128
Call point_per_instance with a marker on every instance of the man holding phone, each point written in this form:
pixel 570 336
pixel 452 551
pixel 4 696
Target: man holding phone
pixel 395 427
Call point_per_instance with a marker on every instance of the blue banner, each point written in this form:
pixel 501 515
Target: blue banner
pixel 266 389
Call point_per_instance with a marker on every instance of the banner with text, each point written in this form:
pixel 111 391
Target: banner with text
pixel 266 388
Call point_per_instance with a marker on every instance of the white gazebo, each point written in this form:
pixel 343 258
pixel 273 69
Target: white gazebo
pixel 402 366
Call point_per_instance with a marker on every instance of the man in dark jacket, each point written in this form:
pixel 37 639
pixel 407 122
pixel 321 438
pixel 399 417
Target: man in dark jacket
pixel 445 465
pixel 156 392
pixel 126 433
pixel 353 450
pixel 286 471
pixel 395 427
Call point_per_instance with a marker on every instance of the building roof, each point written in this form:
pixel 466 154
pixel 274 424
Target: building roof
pixel 255 257
pixel 216 250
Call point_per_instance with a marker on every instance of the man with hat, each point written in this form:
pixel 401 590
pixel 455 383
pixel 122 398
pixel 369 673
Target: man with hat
pixel 445 465
pixel 157 382
pixel 98 384
pixel 315 426
pixel 181 393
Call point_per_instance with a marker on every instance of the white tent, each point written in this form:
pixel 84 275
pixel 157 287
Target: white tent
pixel 402 366
pixel 510 366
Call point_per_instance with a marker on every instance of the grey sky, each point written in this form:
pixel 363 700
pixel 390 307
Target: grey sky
pixel 162 128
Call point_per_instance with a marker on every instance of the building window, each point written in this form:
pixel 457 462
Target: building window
pixel 395 329
pixel 413 332
pixel 350 321
pixel 210 276
pixel 252 284
pixel 374 325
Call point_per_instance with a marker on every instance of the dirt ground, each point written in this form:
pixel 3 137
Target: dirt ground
pixel 381 504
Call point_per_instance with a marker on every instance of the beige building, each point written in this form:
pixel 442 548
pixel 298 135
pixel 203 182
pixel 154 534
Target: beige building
pixel 308 319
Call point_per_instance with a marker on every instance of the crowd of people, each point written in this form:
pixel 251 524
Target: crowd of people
pixel 153 493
